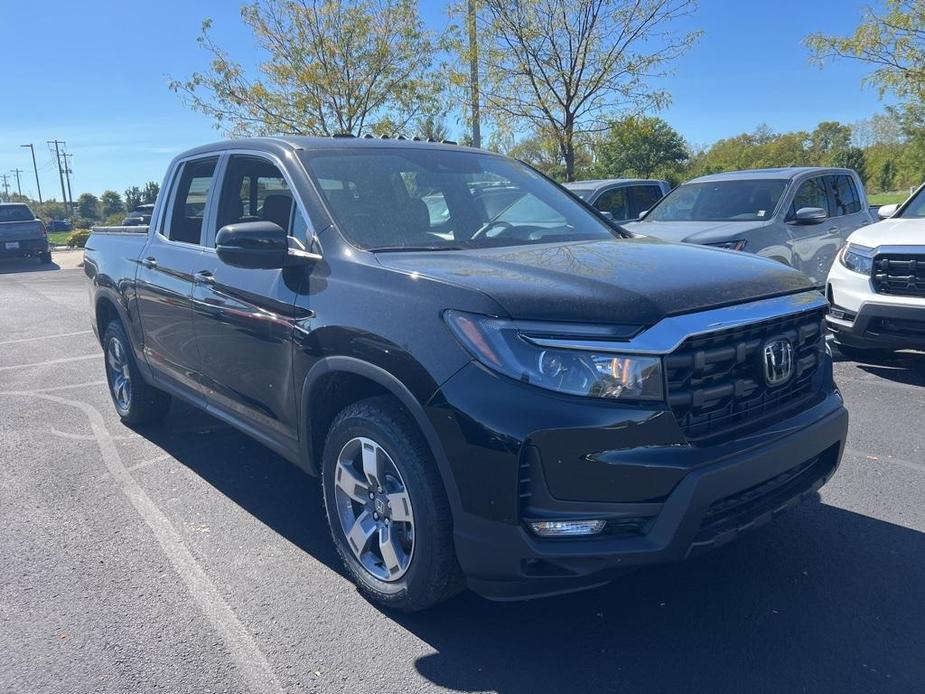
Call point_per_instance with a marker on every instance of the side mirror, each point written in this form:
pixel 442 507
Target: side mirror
pixel 810 215
pixel 260 245
pixel 642 215
pixel 887 211
pixel 607 215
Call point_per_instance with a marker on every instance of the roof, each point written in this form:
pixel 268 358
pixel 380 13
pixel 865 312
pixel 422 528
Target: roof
pixel 595 183
pixel 308 143
pixel 786 172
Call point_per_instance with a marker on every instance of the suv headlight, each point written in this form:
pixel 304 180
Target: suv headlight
pixel 857 258
pixel 500 346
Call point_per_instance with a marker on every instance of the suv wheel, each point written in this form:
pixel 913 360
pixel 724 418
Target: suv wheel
pixel 136 401
pixel 387 508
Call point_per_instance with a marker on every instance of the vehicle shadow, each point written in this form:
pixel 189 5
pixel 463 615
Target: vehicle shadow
pixel 907 367
pixel 821 600
pixel 16 265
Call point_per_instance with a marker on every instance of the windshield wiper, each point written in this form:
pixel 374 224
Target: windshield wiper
pixel 399 249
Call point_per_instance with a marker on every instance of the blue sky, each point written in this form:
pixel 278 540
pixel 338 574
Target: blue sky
pixel 102 84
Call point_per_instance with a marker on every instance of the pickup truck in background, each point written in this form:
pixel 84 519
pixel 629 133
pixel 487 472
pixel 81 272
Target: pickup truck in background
pixel 498 387
pixel 798 216
pixel 22 234
pixel 140 216
pixel 624 199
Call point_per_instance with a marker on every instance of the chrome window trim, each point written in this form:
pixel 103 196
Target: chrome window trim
pixel 668 334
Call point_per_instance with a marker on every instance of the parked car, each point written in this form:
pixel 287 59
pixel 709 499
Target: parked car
pixel 623 198
pixel 877 289
pixel 60 225
pixel 520 402
pixel 797 216
pixel 22 234
pixel 140 216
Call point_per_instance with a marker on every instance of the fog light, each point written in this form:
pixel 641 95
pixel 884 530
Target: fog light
pixel 567 528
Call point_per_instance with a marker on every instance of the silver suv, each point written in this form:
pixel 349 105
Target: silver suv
pixel 798 216
pixel 624 199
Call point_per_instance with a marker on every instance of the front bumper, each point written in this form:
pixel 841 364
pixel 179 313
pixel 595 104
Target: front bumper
pixel 26 248
pixel 862 318
pixel 664 499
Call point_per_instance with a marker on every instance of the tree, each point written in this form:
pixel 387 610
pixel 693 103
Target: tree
pixel 111 203
pixel 88 206
pixel 431 128
pixel 132 197
pixel 892 42
pixel 149 192
pixel 328 67
pixel 639 147
pixel 851 158
pixel 562 68
pixel 829 137
pixel 887 175
pixel 541 151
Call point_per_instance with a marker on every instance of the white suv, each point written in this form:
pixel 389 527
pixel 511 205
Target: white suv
pixel 877 287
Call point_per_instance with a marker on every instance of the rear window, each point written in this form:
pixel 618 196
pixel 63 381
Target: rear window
pixel 16 213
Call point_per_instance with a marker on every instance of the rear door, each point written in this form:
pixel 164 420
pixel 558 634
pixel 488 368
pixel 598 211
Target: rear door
pixel 165 274
pixel 643 197
pixel 244 317
pixel 849 213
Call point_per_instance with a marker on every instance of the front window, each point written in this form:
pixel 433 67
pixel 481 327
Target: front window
pixel 720 201
pixel 431 198
pixel 915 208
pixel 15 213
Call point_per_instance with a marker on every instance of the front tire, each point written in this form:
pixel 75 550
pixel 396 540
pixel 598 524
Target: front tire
pixel 136 401
pixel 387 508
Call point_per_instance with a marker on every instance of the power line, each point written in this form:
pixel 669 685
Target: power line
pixel 67 175
pixel 6 186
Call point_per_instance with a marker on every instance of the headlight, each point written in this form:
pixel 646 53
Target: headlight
pixel 730 245
pixel 858 259
pixel 500 346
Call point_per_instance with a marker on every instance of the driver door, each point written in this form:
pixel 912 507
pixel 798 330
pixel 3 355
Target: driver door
pixel 813 246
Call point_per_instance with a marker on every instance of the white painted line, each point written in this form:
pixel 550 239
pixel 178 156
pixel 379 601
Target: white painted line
pixel 50 362
pixel 44 337
pixel 248 658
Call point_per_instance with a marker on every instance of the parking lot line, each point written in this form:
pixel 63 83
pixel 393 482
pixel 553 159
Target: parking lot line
pixel 44 337
pixel 248 657
pixel 50 362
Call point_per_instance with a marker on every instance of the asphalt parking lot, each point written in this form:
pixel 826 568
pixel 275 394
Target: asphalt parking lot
pixel 185 557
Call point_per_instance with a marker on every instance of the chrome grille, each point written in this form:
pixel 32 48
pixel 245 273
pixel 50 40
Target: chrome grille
pixel 716 383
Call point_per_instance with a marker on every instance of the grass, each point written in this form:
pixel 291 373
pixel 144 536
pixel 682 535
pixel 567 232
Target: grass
pixel 887 198
pixel 58 238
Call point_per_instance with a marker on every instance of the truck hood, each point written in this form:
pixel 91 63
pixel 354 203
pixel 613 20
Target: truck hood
pixel 694 232
pixel 638 281
pixel 891 232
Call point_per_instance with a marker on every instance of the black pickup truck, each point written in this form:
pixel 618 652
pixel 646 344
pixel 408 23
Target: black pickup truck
pixel 22 234
pixel 522 398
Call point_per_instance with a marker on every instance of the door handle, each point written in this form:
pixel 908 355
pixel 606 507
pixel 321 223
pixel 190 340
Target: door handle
pixel 834 230
pixel 204 277
pixel 150 262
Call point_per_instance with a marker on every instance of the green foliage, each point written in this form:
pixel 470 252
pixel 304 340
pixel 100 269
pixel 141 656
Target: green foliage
pixel 639 147
pixel 111 203
pixel 132 197
pixel 327 67
pixel 828 138
pixel 88 206
pixel 886 175
pixel 149 192
pixel 78 238
pixel 851 158
pixel 758 149
pixel 113 220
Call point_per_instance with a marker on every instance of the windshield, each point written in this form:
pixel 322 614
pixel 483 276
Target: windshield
pixel 15 213
pixel 720 201
pixel 915 209
pixel 423 199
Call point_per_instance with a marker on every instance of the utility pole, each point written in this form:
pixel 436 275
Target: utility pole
pixel 67 205
pixel 67 176
pixel 474 74
pixel 6 186
pixel 36 169
pixel 18 186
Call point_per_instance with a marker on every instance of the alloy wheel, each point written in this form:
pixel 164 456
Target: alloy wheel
pixel 120 377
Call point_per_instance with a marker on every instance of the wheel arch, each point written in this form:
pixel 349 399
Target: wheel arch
pixel 335 382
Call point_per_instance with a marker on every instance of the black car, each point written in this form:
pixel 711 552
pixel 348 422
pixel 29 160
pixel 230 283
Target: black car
pixel 524 400
pixel 139 216
pixel 22 234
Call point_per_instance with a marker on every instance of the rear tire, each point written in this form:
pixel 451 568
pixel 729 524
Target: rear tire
pixel 402 555
pixel 136 401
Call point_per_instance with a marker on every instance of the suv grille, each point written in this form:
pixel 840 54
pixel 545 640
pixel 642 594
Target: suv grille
pixel 901 274
pixel 716 382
